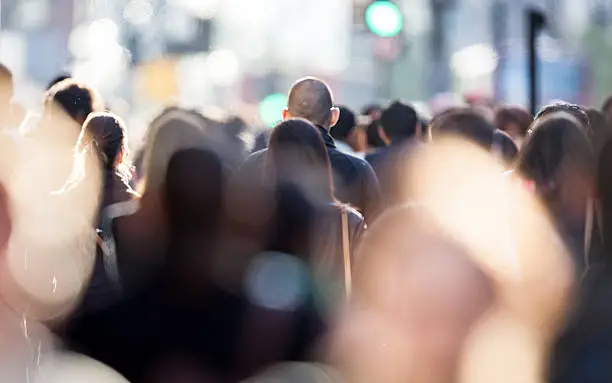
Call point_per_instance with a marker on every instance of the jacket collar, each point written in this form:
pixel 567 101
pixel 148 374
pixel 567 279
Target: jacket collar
pixel 327 138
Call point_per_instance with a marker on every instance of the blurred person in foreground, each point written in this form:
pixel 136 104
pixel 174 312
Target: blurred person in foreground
pixel 417 297
pixel 297 155
pixel 48 247
pixel 584 348
pixel 515 121
pixel 354 180
pixel 558 162
pixel 139 243
pixel 401 129
pixel 202 316
pixel 350 139
pixel 456 288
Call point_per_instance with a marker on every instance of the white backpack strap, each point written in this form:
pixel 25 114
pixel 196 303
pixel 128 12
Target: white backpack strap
pixel 108 245
pixel 346 253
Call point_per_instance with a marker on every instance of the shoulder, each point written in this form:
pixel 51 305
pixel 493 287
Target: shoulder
pixel 354 161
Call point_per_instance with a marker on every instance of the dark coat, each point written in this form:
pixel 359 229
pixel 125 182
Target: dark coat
pixel 355 182
pixel 386 162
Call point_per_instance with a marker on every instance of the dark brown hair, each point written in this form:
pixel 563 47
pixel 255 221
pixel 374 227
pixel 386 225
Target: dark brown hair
pixel 301 141
pixel 512 115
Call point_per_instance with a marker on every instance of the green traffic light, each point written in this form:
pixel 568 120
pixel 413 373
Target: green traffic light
pixel 271 108
pixel 384 18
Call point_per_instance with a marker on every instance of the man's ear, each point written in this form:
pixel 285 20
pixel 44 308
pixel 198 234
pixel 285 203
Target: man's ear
pixel 286 114
pixel 334 117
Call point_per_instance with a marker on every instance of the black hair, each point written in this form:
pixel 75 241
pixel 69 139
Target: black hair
pixel 464 123
pixel 345 125
pixel 108 134
pixel 604 191
pixel 58 79
pixel 574 110
pixel 373 135
pixel 550 145
pixel 195 185
pixel 311 99
pixel 506 146
pixel 298 140
pixel 399 121
pixel 511 115
pixel 76 99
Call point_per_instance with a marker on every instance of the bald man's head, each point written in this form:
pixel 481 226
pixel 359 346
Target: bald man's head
pixel 312 99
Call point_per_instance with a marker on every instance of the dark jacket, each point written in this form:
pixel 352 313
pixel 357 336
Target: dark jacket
pixel 385 162
pixel 355 182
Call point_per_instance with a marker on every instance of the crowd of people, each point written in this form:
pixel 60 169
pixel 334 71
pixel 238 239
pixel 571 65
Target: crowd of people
pixel 382 246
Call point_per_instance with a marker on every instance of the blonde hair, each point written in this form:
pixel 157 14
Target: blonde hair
pixel 174 130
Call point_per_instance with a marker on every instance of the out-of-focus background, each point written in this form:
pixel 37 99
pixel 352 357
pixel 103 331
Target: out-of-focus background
pixel 242 55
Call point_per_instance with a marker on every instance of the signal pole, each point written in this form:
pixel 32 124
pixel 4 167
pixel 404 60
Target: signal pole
pixel 536 22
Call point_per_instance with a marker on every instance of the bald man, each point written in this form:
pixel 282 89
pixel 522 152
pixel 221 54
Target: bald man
pixel 354 179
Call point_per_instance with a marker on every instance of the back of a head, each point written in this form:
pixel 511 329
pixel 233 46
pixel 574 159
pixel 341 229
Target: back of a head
pixel 107 133
pixel 76 99
pixel 195 183
pixel 574 110
pixel 311 99
pixel 296 147
pixel 58 79
pixel 464 123
pixel 400 121
pixel 554 144
pixel 506 146
pixel 513 120
pixel 375 141
pixel 173 130
pixel 345 125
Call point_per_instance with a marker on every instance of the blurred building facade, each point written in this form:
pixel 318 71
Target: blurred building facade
pixel 232 52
